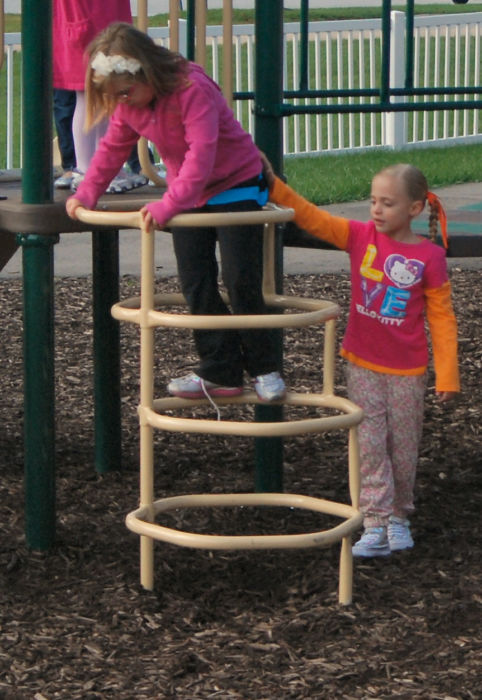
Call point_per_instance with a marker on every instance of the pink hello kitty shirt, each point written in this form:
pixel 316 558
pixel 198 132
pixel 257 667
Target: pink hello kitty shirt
pixel 395 288
pixel 388 279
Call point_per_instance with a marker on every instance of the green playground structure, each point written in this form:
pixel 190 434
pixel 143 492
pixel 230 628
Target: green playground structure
pixel 31 217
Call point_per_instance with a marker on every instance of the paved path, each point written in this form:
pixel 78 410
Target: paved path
pixel 73 253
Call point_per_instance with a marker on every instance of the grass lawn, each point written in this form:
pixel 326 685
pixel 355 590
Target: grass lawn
pixel 322 14
pixel 345 178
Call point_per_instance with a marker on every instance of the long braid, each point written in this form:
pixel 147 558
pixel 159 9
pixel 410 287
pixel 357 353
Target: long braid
pixel 433 221
pixel 437 214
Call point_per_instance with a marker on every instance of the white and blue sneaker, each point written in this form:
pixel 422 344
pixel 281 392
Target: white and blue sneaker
pixel 270 387
pixel 126 181
pixel 64 181
pixel 373 543
pixel 399 535
pixel 77 178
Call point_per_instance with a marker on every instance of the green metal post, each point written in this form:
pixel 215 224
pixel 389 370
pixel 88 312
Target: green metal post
pixel 105 265
pixel 269 80
pixel 191 29
pixel 37 188
pixel 39 389
pixel 268 129
pixel 304 17
pixel 37 185
pixel 385 77
pixel 409 40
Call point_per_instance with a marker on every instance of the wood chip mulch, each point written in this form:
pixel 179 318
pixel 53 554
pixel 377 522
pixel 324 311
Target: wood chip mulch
pixel 75 623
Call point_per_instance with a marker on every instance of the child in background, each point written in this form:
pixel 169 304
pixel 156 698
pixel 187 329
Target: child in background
pixel 75 23
pixel 397 280
pixel 64 108
pixel 212 166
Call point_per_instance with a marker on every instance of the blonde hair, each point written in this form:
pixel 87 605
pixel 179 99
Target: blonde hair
pixel 416 187
pixel 163 70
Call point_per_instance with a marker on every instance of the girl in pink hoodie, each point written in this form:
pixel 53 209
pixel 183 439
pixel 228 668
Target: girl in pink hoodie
pixel 212 166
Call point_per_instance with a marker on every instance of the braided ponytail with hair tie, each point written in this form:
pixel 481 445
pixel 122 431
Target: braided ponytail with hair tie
pixel 437 208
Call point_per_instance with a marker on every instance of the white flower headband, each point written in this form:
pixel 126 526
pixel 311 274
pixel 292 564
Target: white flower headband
pixel 104 65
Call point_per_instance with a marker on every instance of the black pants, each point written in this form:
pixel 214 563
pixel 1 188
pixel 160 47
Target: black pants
pixel 64 107
pixel 225 354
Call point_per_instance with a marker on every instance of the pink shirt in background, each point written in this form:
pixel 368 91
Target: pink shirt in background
pixel 75 23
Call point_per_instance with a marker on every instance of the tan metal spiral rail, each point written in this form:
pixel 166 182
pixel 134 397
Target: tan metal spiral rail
pixel 146 311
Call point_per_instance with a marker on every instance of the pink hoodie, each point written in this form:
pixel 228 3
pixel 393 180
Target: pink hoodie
pixel 205 150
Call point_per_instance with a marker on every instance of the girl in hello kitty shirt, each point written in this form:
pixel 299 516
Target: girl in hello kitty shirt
pixel 398 280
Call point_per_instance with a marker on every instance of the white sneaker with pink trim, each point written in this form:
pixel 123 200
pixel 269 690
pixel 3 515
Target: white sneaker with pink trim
pixel 193 387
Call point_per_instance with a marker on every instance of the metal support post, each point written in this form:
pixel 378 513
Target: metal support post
pixel 268 128
pixel 409 41
pixel 37 188
pixel 39 389
pixel 191 29
pixel 107 400
pixel 304 44
pixel 385 71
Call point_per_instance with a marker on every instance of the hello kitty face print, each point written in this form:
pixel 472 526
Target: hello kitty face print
pixel 386 291
pixel 403 272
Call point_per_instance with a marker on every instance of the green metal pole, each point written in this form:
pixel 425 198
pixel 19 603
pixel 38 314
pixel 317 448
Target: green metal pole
pixel 304 17
pixel 37 185
pixel 105 258
pixel 268 130
pixel 39 389
pixel 385 77
pixel 191 29
pixel 409 39
pixel 37 188
pixel 269 80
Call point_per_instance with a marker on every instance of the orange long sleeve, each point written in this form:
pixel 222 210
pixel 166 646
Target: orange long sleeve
pixel 443 330
pixel 315 221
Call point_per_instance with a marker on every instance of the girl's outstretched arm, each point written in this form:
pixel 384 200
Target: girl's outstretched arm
pixel 315 221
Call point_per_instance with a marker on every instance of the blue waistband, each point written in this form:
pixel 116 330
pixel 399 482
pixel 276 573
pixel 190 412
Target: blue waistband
pixel 241 194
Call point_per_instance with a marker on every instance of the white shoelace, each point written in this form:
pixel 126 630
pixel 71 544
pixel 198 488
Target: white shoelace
pixel 210 399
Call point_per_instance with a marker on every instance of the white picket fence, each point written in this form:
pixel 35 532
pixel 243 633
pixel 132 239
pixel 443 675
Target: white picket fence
pixel 342 55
